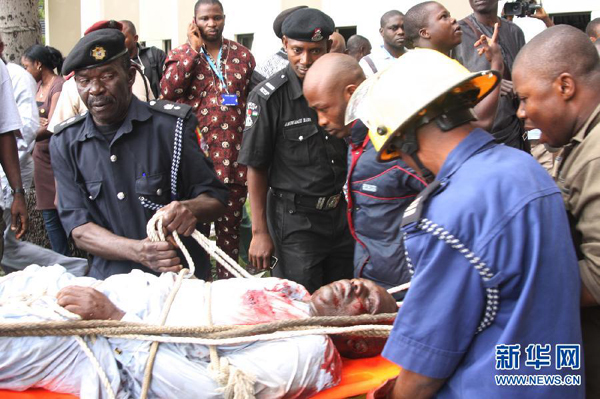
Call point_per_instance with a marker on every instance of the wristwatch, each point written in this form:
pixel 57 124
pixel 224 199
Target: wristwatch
pixel 18 190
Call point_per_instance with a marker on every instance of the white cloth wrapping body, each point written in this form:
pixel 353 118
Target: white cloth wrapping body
pixel 293 367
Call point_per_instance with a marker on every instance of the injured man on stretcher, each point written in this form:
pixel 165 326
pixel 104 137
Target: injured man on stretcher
pixel 292 367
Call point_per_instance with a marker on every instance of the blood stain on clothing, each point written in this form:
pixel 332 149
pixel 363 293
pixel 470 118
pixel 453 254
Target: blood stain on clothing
pixel 258 302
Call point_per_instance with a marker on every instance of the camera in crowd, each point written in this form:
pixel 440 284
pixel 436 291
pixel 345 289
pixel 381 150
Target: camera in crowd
pixel 521 8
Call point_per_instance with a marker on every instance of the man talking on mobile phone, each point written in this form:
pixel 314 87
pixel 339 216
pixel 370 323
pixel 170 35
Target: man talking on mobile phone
pixel 211 74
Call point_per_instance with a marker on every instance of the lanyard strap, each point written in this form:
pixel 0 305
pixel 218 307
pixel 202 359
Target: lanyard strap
pixel 216 68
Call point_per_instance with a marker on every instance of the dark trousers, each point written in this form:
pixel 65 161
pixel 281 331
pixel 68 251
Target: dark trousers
pixel 56 233
pixel 2 228
pixel 590 327
pixel 314 247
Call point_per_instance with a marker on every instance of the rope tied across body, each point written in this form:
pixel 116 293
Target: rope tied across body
pixel 235 383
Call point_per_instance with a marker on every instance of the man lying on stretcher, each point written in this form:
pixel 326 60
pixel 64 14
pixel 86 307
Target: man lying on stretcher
pixel 292 367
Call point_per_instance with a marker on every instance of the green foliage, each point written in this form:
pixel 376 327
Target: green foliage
pixel 41 9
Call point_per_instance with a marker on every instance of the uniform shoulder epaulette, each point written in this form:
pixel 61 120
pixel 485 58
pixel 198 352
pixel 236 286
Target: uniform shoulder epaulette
pixel 171 108
pixel 269 86
pixel 69 122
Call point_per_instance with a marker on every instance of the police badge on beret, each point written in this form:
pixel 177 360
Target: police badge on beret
pixel 98 53
pixel 95 49
pixel 308 25
pixel 317 35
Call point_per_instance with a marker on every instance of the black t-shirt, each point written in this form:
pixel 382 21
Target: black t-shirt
pixel 109 131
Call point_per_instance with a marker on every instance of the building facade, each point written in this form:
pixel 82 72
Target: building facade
pixel 163 23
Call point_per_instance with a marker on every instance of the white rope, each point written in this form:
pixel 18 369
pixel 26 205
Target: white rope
pixel 155 233
pixel 400 288
pixel 101 374
pixel 233 382
pixel 260 337
pixel 84 346
pixel 220 256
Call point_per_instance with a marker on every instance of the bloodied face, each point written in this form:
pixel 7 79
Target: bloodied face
pixel 352 297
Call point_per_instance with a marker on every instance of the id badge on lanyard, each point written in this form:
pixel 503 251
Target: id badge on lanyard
pixel 226 98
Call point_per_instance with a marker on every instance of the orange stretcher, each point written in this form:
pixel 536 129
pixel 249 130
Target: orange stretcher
pixel 358 377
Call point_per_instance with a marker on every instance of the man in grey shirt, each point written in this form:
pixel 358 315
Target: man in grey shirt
pixel 507 128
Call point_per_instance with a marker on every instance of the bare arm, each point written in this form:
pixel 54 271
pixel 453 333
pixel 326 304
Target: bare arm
pixel 587 299
pixel 9 158
pixel 543 16
pixel 158 256
pixel 205 208
pixel 43 132
pixel 486 109
pixel 411 385
pixel 261 246
pixel 179 68
pixel 98 241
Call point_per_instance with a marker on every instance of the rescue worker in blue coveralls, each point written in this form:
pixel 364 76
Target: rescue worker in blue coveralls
pixel 125 159
pixel 296 171
pixel 495 291
pixel 378 192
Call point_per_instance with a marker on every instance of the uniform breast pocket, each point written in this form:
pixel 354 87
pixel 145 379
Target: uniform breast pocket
pixel 154 187
pixel 297 143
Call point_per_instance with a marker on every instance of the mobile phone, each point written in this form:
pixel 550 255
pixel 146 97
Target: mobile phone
pixel 274 261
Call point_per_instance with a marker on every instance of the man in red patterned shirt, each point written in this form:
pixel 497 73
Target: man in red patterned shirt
pixel 211 74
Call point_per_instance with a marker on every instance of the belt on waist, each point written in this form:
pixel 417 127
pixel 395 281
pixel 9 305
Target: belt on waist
pixel 320 203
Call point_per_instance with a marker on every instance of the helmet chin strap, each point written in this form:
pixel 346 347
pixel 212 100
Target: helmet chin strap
pixel 446 121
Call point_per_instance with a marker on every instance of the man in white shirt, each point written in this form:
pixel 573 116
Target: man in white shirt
pixel 10 123
pixel 392 32
pixel 19 254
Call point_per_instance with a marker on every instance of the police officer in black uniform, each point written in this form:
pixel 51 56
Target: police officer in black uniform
pixel 123 160
pixel 296 171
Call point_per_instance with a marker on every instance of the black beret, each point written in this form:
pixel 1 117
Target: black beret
pixel 308 25
pixel 281 17
pixel 94 49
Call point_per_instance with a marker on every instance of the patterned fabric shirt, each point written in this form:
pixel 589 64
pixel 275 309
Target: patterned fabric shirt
pixel 188 78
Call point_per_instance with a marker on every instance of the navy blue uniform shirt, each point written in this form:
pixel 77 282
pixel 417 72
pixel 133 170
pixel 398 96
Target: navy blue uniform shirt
pixel 283 135
pixel 494 268
pixel 102 182
pixel 379 192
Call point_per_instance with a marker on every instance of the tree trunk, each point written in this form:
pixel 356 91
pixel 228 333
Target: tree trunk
pixel 19 26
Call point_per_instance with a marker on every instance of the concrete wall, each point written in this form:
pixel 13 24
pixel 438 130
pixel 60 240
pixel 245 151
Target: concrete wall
pixel 63 24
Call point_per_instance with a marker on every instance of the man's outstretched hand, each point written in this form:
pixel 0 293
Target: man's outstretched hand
pixel 490 48
pixel 88 303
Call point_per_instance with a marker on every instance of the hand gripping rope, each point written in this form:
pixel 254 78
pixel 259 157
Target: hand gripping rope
pixel 492 293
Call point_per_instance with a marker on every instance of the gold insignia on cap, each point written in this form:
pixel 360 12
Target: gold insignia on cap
pixel 317 35
pixel 99 53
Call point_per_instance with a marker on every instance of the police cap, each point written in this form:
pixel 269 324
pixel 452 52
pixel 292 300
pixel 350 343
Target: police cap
pixel 278 22
pixel 96 48
pixel 308 25
pixel 111 24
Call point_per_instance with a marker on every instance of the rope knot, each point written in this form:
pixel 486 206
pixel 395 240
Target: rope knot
pixel 233 382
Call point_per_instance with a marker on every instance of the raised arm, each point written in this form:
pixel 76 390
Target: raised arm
pixel 179 69
pixel 486 109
